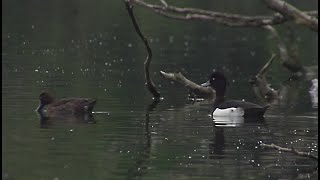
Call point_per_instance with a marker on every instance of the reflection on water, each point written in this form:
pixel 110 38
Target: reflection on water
pixel 217 145
pixel 87 54
pixel 46 122
pixel 231 121
pixel 143 159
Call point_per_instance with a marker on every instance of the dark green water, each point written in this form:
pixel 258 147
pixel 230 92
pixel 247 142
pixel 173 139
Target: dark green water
pixel 90 49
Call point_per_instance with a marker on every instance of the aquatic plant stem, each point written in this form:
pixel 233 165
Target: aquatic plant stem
pixel 150 85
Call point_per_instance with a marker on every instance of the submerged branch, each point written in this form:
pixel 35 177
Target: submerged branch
pixel 292 150
pixel 150 85
pixel 227 19
pixel 198 90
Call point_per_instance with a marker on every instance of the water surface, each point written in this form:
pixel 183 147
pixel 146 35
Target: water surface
pixel 89 49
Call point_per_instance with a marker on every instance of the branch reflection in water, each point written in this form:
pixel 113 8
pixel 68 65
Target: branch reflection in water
pixel 141 164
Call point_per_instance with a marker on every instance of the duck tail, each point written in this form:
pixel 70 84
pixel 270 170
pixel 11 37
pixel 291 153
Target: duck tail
pixel 90 104
pixel 93 101
pixel 265 108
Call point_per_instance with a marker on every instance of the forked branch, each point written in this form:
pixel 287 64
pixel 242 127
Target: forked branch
pixel 287 61
pixel 294 13
pixel 260 85
pixel 309 18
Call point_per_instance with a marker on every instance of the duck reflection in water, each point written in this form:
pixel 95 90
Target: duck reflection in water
pixel 220 123
pixel 47 122
pixel 217 144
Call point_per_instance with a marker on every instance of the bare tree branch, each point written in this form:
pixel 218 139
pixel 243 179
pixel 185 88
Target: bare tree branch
pixel 198 90
pixel 266 66
pixel 292 150
pixel 290 11
pixel 217 17
pixel 287 61
pixel 150 85
pixel 164 3
pixel 260 85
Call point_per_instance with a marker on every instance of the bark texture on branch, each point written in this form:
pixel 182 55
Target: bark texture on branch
pixel 260 85
pixel 150 85
pixel 217 17
pixel 287 61
pixel 290 11
pixel 292 150
pixel 200 91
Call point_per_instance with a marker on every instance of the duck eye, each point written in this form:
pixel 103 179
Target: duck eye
pixel 213 79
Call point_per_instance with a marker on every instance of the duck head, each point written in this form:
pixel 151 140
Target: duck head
pixel 218 82
pixel 45 98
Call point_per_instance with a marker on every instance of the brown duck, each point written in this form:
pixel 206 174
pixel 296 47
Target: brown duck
pixel 68 106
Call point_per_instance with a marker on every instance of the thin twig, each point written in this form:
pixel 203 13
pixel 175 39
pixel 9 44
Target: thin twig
pixel 266 66
pixel 292 150
pixel 261 86
pixel 150 85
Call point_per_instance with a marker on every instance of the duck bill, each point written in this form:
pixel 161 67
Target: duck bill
pixel 206 84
